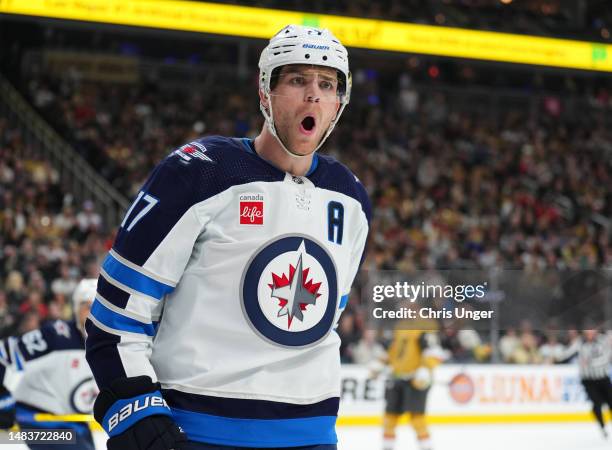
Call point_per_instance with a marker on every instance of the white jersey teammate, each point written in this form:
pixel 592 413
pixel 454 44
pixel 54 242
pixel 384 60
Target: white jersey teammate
pixel 216 307
pixel 45 371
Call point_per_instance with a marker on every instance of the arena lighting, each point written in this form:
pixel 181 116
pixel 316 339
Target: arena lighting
pixel 364 33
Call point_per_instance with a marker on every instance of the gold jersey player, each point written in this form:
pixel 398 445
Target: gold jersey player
pixel 414 353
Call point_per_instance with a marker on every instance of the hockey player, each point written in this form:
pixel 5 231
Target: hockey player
pixel 594 356
pixel 414 353
pixel 594 359
pixel 45 371
pixel 213 322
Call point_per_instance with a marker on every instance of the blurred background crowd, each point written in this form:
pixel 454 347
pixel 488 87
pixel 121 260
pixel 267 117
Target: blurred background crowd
pixel 468 165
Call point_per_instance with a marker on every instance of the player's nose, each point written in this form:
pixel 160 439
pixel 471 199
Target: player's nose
pixel 312 93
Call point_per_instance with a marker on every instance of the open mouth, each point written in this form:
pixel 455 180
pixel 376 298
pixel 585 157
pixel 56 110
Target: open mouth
pixel 308 124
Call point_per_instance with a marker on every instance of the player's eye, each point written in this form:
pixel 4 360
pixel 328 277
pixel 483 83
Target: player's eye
pixel 297 81
pixel 326 85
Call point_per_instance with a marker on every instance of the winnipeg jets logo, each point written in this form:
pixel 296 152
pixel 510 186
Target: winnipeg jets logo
pixel 83 396
pixel 294 293
pixel 289 291
pixel 292 290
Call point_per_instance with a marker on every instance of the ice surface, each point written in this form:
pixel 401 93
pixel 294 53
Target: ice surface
pixel 558 436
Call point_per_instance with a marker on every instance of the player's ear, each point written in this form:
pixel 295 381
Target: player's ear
pixel 262 99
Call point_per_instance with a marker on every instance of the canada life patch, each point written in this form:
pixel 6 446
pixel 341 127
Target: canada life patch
pixel 251 209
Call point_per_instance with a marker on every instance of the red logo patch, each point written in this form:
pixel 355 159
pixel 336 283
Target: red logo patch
pixel 251 213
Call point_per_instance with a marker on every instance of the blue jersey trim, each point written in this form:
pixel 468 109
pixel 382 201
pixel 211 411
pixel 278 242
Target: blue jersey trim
pixel 250 148
pixel 134 279
pixel 314 165
pixel 126 412
pixel 120 322
pixel 248 144
pixel 343 301
pixel 15 355
pixel 257 433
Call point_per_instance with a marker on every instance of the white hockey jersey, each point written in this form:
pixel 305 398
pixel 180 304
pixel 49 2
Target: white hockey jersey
pixel 45 370
pixel 225 283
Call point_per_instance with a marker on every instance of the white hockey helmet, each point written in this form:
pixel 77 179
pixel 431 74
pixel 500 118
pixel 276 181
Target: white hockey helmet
pixel 297 44
pixel 84 292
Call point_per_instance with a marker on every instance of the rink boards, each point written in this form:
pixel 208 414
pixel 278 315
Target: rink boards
pixel 475 393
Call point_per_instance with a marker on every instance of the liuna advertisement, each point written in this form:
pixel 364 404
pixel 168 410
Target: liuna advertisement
pixel 476 394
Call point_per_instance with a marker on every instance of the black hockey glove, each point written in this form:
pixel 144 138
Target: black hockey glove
pixel 7 409
pixel 136 417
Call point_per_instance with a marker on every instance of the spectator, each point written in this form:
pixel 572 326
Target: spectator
pixel 34 304
pixel 508 344
pixel 552 350
pixel 7 316
pixel 527 351
pixel 65 221
pixel 367 349
pixel 65 283
pixel 59 308
pixel 15 289
pixel 88 221
pixel 349 335
pixel 30 321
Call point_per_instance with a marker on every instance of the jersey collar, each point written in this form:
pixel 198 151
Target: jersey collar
pixel 249 146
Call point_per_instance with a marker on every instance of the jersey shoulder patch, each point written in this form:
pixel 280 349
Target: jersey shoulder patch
pixel 193 150
pixel 216 163
pixel 208 150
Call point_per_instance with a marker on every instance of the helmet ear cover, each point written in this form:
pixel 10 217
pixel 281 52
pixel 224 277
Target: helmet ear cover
pixel 84 292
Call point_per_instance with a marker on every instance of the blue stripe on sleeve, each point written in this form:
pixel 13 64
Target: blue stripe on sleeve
pixel 120 322
pixel 134 279
pixel 256 432
pixel 14 351
pixel 343 301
